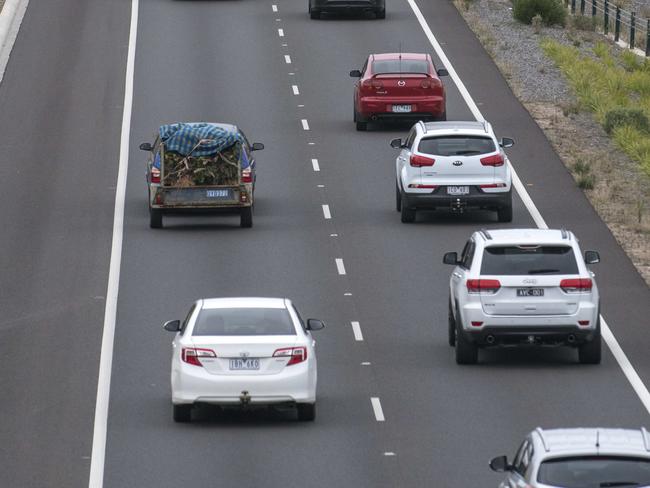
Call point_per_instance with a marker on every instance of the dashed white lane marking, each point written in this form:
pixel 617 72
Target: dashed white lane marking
pixel 314 163
pixel 295 90
pixel 376 407
pixel 311 143
pixel 347 294
pixel 274 8
pixel 618 353
pixel 287 59
pixel 389 453
pixel 356 329
pixel 320 186
pixel 292 74
pixel 305 124
pixel 340 267
pixel 326 212
pixel 334 235
pixel 278 20
pixel 281 32
pixel 366 363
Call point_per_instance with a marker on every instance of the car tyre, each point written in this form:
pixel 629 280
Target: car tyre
pixel 590 352
pixel 504 214
pixel 314 14
pixel 452 326
pixel 246 217
pixel 407 214
pixel 362 126
pixel 155 218
pixel 466 351
pixel 306 412
pixel 398 198
pixel 182 413
pixel 380 14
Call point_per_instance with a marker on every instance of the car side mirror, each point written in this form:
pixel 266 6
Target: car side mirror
pixel 507 142
pixel 146 146
pixel 172 325
pixel 592 257
pixel 450 258
pixel 355 73
pixel 257 146
pixel 500 464
pixel 315 324
pixel 396 143
pixel 442 72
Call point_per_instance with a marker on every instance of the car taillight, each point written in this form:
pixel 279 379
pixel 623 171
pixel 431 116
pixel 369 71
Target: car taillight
pixel 493 185
pixel 373 83
pixel 155 175
pixel 483 286
pixel 419 161
pixel 415 185
pixel 576 285
pixel 496 160
pixel 246 175
pixel 295 354
pixel 192 355
pixel 426 83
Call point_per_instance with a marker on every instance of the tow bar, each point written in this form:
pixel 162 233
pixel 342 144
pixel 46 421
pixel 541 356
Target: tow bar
pixel 245 398
pixel 458 206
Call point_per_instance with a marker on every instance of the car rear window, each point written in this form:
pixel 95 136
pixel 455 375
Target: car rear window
pixel 529 260
pixel 580 472
pixel 456 145
pixel 243 322
pixel 385 66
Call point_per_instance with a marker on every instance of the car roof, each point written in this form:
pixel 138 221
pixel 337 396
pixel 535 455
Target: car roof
pixel 464 126
pixel 244 302
pixel 595 441
pixel 395 56
pixel 526 236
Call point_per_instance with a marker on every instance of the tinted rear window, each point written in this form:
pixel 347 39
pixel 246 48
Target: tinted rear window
pixel 529 260
pixel 580 472
pixel 244 321
pixel 456 145
pixel 393 66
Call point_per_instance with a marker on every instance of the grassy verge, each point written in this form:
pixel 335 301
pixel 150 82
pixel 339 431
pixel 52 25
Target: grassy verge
pixel 616 88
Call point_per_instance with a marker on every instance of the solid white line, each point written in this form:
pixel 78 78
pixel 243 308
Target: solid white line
pixel 376 407
pixel 281 32
pixel 274 8
pixel 96 478
pixel 11 17
pixel 287 59
pixel 356 329
pixel 340 267
pixel 305 124
pixel 314 163
pixel 620 356
pixel 295 90
pixel 326 212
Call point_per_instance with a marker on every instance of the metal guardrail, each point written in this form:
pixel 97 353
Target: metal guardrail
pixel 610 18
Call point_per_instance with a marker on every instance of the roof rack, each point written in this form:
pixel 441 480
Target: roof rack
pixel 486 234
pixel 424 126
pixel 565 234
pixel 541 436
pixel 485 126
pixel 646 440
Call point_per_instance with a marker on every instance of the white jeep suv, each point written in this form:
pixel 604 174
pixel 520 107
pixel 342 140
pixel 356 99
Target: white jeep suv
pixel 455 165
pixel 523 287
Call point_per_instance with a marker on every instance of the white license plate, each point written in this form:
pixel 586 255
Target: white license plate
pixel 244 364
pixel 220 193
pixel 530 292
pixel 457 190
pixel 401 109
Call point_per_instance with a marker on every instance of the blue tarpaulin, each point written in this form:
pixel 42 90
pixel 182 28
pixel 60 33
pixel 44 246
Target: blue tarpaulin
pixel 183 137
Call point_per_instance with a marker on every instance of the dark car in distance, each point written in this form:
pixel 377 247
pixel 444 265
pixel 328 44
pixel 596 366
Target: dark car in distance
pixel 317 7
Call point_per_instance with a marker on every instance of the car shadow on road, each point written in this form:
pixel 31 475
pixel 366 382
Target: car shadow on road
pixel 530 357
pixel 259 416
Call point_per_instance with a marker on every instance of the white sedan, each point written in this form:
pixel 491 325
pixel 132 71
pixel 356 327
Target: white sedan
pixel 241 351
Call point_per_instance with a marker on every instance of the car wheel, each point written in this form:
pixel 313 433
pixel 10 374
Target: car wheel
pixel 182 413
pixel 452 326
pixel 381 14
pixel 314 14
pixel 155 218
pixel 504 214
pixel 362 126
pixel 466 351
pixel 408 214
pixel 398 198
pixel 590 352
pixel 246 217
pixel 306 411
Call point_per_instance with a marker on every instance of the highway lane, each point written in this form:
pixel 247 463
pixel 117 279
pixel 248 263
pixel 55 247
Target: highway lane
pixel 59 131
pixel 442 421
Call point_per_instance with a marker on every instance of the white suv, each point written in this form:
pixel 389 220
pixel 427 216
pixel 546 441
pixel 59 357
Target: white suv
pixel 455 165
pixel 578 458
pixel 523 287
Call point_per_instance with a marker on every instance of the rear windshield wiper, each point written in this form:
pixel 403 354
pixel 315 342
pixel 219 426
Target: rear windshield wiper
pixel 619 483
pixel 543 271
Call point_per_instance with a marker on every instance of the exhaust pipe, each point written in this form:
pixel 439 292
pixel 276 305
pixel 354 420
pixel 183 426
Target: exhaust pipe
pixel 373 118
pixel 571 338
pixel 490 339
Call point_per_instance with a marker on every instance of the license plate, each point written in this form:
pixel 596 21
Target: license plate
pixel 457 190
pixel 401 108
pixel 530 292
pixel 244 364
pixel 221 193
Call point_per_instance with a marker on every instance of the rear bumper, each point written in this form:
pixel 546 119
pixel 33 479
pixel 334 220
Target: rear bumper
pixel 439 199
pixel 346 5
pixel 566 334
pixel 371 108
pixel 203 210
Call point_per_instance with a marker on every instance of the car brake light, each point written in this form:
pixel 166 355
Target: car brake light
pixel 415 185
pixel 246 175
pixel 493 185
pixel 155 175
pixel 576 285
pixel 374 83
pixel 495 160
pixel 192 355
pixel 583 322
pixel 419 161
pixel 295 354
pixel 426 83
pixel 477 323
pixel 485 286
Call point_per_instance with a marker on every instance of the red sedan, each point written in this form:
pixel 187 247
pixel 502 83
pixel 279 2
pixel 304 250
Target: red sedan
pixel 398 86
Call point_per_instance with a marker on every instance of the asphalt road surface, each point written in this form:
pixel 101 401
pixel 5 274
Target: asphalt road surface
pixel 224 60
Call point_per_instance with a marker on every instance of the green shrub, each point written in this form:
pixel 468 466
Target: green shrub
pixel 551 11
pixel 632 117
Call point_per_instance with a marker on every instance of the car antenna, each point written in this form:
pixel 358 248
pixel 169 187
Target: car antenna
pixel 400 58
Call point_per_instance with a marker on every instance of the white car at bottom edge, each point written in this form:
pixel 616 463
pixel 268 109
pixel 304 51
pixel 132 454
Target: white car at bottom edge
pixel 243 351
